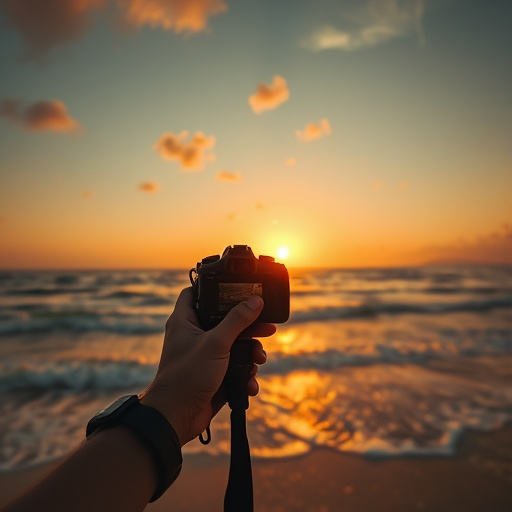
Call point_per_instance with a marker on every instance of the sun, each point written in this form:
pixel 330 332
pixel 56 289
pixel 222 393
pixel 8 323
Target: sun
pixel 283 253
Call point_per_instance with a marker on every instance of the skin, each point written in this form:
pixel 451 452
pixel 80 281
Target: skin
pixel 112 470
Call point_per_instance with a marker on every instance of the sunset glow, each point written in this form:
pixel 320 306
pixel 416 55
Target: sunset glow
pixel 283 253
pixel 150 134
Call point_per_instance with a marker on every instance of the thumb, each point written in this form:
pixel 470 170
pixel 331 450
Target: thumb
pixel 238 319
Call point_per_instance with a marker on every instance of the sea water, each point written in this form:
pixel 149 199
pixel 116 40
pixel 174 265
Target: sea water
pixel 378 362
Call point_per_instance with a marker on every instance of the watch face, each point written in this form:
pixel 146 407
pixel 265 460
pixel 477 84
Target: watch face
pixel 119 405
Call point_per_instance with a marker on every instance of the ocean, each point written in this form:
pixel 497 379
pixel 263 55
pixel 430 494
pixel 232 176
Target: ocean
pixel 375 362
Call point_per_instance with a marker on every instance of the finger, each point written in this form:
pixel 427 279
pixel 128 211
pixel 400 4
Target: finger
pixel 184 307
pixel 238 319
pixel 259 356
pixel 259 330
pixel 185 303
pixel 252 386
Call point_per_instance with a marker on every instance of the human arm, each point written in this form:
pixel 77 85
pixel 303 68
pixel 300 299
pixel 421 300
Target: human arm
pixel 113 470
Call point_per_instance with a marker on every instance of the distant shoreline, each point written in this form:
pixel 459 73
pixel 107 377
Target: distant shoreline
pixel 299 268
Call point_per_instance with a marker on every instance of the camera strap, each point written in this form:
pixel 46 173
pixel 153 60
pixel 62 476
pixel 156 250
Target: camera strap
pixel 239 495
pixel 239 492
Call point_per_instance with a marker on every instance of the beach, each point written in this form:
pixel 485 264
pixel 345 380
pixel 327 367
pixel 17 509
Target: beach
pixel 387 390
pixel 477 479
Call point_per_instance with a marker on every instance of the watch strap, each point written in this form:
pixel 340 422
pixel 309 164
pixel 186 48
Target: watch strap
pixel 157 434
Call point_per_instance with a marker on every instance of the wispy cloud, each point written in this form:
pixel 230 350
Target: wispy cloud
pixel 192 155
pixel 314 131
pixel 44 25
pixel 149 187
pixel 39 116
pixel 290 162
pixel 228 176
pixel 371 23
pixel 269 97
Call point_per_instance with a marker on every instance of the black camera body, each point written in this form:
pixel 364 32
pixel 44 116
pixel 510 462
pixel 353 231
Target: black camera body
pixel 220 283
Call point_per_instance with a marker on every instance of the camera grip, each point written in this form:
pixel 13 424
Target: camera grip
pixel 237 375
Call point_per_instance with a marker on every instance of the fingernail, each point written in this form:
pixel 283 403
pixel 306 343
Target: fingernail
pixel 254 302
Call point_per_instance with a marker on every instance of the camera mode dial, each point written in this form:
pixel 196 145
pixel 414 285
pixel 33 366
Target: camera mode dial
pixel 210 259
pixel 266 258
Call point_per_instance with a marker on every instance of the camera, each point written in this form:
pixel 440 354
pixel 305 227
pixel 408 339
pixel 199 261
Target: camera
pixel 220 283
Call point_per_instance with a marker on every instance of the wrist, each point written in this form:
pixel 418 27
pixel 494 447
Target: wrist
pixel 168 408
pixel 153 430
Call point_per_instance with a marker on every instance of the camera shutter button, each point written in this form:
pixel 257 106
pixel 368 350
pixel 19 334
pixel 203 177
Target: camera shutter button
pixel 266 258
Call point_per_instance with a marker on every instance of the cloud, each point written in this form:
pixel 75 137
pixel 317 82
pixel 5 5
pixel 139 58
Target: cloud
pixel 228 176
pixel 148 186
pixel 44 25
pixel 290 162
pixel 314 131
pixel 177 15
pixel 39 116
pixel 191 155
pixel 269 97
pixel 372 22
pixel 494 247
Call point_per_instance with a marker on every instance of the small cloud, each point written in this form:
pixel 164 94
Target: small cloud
pixel 177 15
pixel 314 131
pixel 192 155
pixel 86 194
pixel 259 206
pixel 290 162
pixel 403 185
pixel 228 176
pixel 372 22
pixel 40 116
pixel 231 216
pixel 269 97
pixel 149 187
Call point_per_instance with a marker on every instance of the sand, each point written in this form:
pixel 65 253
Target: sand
pixel 477 479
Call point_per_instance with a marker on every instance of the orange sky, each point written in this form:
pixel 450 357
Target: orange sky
pixel 153 133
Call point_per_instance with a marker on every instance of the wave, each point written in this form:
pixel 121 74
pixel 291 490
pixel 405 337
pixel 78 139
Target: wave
pixel 82 321
pixel 43 292
pixel 381 411
pixel 34 317
pixel 75 375
pixel 371 310
pixel 108 373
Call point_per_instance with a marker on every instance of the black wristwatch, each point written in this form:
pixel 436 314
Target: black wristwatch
pixel 152 428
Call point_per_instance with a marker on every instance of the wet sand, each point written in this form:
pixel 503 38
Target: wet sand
pixel 477 479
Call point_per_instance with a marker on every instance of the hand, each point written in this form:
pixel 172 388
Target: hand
pixel 194 363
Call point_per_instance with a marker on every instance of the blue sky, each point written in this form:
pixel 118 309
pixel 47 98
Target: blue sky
pixel 416 165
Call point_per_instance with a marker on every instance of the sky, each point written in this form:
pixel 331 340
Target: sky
pixel 353 133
